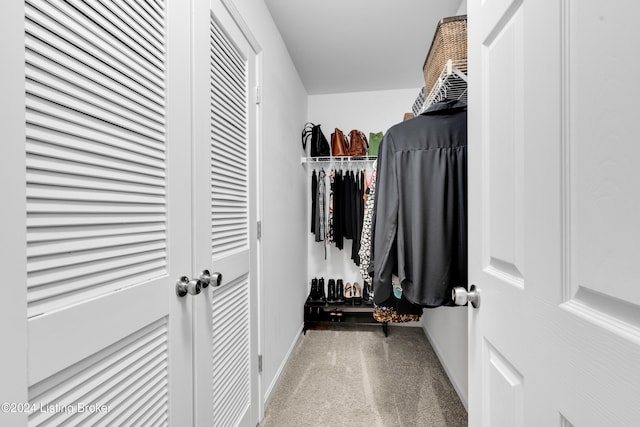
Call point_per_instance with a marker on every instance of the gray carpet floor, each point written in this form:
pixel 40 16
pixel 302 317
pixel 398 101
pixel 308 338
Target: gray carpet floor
pixel 354 376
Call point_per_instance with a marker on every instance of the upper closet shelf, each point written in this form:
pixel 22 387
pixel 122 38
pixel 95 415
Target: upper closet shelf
pixel 338 160
pixel 451 84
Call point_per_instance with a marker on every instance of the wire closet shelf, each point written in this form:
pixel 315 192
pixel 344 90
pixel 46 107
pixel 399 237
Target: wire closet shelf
pixel 451 84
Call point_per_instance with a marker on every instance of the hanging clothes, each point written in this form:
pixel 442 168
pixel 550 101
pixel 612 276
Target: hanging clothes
pixel 338 207
pixel 320 226
pixel 365 239
pixel 314 200
pixel 330 224
pixel 420 223
pixel 358 214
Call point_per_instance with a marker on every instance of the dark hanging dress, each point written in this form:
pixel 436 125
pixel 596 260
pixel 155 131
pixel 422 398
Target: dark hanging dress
pixel 314 191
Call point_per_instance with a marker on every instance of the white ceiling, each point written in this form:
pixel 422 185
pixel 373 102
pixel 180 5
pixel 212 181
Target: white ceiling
pixel 359 45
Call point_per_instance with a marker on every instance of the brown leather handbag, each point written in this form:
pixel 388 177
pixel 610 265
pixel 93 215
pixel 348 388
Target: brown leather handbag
pixel 358 145
pixel 339 144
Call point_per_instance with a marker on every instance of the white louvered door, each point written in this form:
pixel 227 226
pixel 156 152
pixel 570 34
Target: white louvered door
pixel 226 315
pixel 99 147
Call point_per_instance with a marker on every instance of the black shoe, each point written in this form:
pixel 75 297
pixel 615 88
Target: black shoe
pixel 313 293
pixel 367 298
pixel 331 291
pixel 339 292
pixel 321 294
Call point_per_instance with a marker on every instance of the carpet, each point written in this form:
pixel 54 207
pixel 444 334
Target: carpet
pixel 353 376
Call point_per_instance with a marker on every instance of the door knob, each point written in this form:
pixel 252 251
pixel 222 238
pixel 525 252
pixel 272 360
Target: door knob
pixel 216 279
pixel 460 296
pixel 185 286
pixel 205 278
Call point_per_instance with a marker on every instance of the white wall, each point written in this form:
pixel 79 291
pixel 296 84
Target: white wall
pixel 365 111
pixel 446 328
pixel 283 245
pixel 462 10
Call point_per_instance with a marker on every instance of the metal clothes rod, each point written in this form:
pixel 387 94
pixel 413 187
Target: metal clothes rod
pixel 339 160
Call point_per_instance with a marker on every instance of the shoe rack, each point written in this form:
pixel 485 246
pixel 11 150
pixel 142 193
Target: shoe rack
pixel 342 303
pixel 324 315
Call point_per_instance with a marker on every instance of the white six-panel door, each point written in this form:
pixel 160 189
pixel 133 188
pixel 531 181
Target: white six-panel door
pixel 553 213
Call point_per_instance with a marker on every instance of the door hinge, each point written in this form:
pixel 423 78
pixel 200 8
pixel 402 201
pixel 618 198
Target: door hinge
pixel 259 363
pixel 258 94
pixel 259 229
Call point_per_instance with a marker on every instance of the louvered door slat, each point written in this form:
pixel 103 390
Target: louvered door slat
pixel 226 48
pixel 83 232
pixel 95 104
pixel 61 273
pixel 68 118
pixel 103 183
pixel 40 54
pixel 107 35
pixel 83 85
pixel 219 92
pixel 104 376
pixel 229 184
pixel 72 33
pixel 151 13
pixel 103 112
pixel 83 157
pixel 38 220
pixel 122 22
pixel 230 320
pixel 227 152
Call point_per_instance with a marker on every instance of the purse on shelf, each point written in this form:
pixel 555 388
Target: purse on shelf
pixel 358 145
pixel 374 142
pixel 339 144
pixel 319 146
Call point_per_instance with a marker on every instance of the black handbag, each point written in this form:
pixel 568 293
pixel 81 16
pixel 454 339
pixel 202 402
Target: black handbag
pixel 319 146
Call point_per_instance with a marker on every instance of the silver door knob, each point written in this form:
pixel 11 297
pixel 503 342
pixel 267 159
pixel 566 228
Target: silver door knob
pixel 216 279
pixel 461 296
pixel 205 278
pixel 185 286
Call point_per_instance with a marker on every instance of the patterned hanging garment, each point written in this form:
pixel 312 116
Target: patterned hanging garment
pixel 332 184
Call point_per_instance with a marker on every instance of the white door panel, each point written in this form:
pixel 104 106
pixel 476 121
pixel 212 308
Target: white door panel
pixel 105 140
pixel 553 206
pixel 225 117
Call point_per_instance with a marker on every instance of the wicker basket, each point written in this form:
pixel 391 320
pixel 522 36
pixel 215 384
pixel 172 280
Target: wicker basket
pixel 449 42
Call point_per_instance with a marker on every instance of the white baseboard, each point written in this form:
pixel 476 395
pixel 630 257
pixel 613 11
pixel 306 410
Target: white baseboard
pixel 462 394
pixel 276 377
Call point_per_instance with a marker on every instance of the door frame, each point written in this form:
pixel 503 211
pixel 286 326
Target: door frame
pixel 13 304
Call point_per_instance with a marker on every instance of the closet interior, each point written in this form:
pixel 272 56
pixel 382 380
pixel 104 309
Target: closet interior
pixel 335 266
